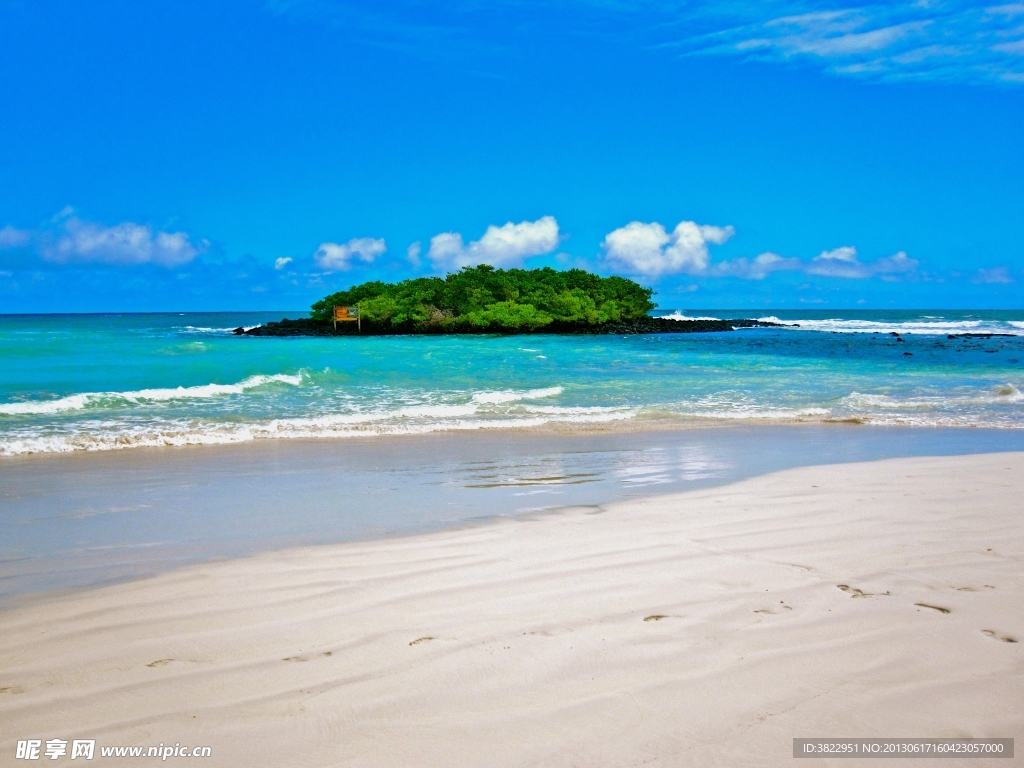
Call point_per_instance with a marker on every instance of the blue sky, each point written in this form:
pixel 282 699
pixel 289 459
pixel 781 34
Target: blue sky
pixel 257 155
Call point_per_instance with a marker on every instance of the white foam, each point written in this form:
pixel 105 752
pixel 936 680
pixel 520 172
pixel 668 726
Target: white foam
pixel 931 327
pixel 396 422
pixel 510 395
pixel 1001 395
pixel 70 403
pixel 765 413
pixel 204 329
pixel 677 315
pixel 202 391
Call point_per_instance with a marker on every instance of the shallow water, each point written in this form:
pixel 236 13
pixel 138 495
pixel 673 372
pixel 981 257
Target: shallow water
pixel 101 382
pixel 79 520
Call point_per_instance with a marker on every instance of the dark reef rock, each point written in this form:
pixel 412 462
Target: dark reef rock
pixel 310 327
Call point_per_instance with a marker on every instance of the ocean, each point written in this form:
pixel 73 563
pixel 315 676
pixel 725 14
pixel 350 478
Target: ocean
pixel 135 444
pixel 117 381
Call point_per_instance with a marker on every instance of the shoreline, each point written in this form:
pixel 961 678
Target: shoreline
pixel 650 422
pixel 702 628
pixel 74 521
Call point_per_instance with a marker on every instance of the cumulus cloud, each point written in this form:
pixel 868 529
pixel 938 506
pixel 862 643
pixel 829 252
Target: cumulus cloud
pixel 282 262
pixel 505 246
pixel 337 257
pixel 647 249
pixel 650 251
pixel 843 262
pixel 14 238
pixel 123 244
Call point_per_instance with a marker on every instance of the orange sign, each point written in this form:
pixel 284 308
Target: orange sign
pixel 347 314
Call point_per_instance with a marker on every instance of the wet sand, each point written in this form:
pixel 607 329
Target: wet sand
pixel 82 520
pixel 702 628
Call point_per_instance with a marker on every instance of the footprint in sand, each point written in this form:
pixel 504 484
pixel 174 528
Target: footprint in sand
pixel 938 608
pixel 655 617
pixel 769 610
pixel 1000 638
pixel 419 640
pixel 854 592
pixel 12 689
pixel 159 662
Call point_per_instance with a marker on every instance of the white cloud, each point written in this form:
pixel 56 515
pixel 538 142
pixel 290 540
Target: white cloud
pixel 282 262
pixel 758 268
pixel 412 254
pixel 14 238
pixel 505 246
pixel 993 275
pixel 647 249
pixel 127 243
pixel 831 34
pixel 335 257
pixel 1016 48
pixel 843 262
pixel 898 40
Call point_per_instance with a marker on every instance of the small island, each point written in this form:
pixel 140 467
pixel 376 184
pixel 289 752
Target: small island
pixel 484 299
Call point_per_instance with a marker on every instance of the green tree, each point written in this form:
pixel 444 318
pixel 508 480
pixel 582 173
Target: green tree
pixel 484 298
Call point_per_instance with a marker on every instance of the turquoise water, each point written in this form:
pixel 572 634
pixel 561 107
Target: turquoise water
pixel 100 382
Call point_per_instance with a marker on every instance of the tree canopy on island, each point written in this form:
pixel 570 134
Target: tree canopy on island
pixel 483 298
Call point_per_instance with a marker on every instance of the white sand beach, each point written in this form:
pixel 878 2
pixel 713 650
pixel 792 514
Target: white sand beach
pixel 706 628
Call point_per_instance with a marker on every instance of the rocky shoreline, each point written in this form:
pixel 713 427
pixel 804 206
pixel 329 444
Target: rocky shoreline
pixel 311 327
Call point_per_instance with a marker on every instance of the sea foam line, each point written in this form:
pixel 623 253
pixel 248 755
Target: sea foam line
pixel 930 328
pixel 332 426
pixel 136 397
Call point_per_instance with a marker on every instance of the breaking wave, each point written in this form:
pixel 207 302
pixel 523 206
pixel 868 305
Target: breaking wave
pixel 201 329
pixel 140 396
pixel 402 421
pixel 677 315
pixel 926 326
pixel 510 396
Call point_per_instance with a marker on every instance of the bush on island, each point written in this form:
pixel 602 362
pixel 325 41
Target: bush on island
pixel 483 298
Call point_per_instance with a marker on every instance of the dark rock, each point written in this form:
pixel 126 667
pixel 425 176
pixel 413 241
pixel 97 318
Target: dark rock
pixel 301 327
pixel 311 327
